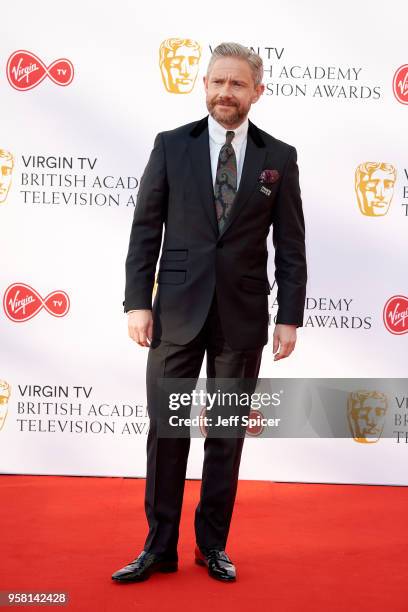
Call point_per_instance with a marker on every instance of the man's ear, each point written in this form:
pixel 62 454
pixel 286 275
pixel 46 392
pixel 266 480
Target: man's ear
pixel 259 90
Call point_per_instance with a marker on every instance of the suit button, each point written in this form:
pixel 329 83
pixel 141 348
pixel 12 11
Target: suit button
pixel 220 244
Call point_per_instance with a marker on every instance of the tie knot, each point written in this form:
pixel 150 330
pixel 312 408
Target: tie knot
pixel 229 136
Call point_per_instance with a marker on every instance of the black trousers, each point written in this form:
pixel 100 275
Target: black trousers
pixel 167 457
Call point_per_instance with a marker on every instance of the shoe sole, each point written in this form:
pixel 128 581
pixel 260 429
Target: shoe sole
pixel 203 564
pixel 163 568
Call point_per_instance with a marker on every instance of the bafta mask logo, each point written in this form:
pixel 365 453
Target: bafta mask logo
pixel 179 59
pixel 4 399
pixel 374 184
pixel 366 412
pixel 6 170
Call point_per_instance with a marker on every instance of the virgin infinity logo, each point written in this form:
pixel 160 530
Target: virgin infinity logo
pixel 400 84
pixel 25 71
pixel 395 314
pixel 21 302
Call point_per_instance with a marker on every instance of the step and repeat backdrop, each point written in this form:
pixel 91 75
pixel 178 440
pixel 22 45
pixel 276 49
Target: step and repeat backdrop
pixel 84 90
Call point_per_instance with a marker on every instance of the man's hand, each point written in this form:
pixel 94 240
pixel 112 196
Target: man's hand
pixel 284 338
pixel 140 326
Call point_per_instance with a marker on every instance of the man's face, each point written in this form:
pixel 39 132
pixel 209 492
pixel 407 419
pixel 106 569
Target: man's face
pixel 6 169
pixel 369 419
pixel 180 68
pixel 230 91
pixel 375 192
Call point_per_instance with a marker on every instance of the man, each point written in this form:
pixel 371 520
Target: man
pixel 217 185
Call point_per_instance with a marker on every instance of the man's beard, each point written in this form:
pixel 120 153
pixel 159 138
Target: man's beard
pixel 229 118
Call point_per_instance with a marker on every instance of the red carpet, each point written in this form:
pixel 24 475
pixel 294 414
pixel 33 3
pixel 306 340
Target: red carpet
pixel 296 546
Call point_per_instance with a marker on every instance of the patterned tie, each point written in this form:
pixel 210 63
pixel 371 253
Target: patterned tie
pixel 225 186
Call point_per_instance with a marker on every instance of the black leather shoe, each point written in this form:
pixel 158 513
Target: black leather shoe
pixel 144 565
pixel 218 563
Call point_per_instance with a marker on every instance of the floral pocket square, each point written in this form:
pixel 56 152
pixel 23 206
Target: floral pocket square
pixel 267 177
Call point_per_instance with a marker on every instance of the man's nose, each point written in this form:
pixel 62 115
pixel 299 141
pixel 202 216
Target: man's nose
pixel 225 91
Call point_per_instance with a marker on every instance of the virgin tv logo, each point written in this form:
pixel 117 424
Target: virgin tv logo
pixel 25 70
pixel 21 302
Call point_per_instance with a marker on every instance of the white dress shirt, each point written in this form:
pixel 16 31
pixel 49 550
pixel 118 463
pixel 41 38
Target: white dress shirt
pixel 217 135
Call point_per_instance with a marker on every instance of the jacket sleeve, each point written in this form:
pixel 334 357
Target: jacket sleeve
pixel 288 237
pixel 146 232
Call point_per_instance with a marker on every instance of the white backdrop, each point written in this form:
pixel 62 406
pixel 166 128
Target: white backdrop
pixel 74 384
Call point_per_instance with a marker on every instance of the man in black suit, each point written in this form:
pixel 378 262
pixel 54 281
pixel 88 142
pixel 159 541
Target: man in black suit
pixel 216 185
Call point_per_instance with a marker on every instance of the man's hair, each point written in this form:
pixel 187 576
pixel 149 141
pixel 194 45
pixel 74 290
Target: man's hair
pixel 231 49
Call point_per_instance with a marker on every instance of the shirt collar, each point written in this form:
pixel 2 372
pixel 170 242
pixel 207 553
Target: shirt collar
pixel 218 133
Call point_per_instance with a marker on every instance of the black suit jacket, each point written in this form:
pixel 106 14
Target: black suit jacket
pixel 176 192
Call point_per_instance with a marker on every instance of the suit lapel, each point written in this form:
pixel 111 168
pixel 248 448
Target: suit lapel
pixel 199 153
pixel 199 150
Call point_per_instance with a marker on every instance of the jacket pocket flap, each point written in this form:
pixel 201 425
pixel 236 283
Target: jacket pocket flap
pixel 255 285
pixel 174 254
pixel 172 277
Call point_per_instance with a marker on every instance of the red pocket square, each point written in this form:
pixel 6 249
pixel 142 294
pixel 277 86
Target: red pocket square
pixel 269 176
